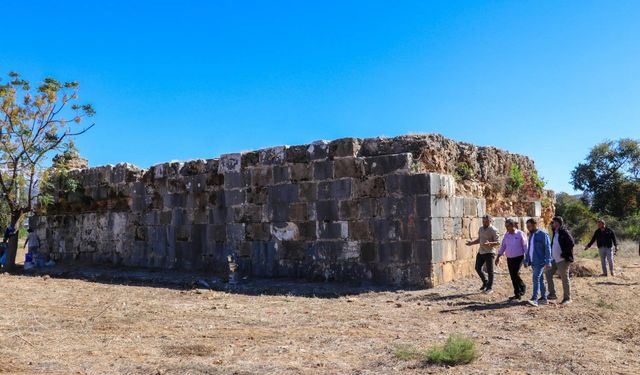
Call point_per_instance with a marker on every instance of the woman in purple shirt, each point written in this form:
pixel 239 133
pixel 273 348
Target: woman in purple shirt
pixel 514 243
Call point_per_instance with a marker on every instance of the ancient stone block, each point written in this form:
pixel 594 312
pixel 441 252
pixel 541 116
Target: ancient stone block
pixel 348 167
pixel 437 228
pixel 234 197
pixel 396 251
pixel 308 230
pixel 360 230
pixel 322 170
pixel 386 164
pixel 386 229
pixel 273 155
pixel 278 212
pixel 457 206
pixel 442 185
pixel 257 232
pixel 458 229
pixel 344 147
pixel 233 180
pixel 415 184
pixel 333 230
pixel 281 174
pixel 482 207
pixel 249 159
pixel 308 191
pixel 350 250
pixel 318 150
pixel 299 212
pixel 230 163
pixel 348 209
pixel 253 195
pixel 365 208
pixel 498 222
pixel 368 252
pixel 337 189
pixel 327 210
pixel 293 250
pixel 248 213
pixel 300 172
pixel 261 176
pixel 470 207
pixel 286 193
pixel 370 187
pixel 235 232
pixel 297 154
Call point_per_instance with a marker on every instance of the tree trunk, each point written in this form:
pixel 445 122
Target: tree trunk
pixel 12 248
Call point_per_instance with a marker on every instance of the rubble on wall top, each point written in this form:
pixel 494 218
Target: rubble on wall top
pixel 416 144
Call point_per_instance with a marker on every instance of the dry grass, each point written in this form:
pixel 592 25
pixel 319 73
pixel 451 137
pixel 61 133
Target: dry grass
pixel 58 326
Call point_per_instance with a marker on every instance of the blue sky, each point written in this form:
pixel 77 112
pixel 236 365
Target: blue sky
pixel 193 79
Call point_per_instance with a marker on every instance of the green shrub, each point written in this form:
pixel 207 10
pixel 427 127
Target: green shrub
pixel 536 181
pixel 516 179
pixel 458 350
pixel 464 171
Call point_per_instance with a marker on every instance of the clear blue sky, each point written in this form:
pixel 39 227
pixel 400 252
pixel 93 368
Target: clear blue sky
pixel 194 79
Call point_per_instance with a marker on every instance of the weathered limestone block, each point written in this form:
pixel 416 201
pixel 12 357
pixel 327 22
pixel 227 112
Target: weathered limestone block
pixel 344 147
pixel 230 163
pixel 318 150
pixel 470 207
pixel 442 185
pixel 273 155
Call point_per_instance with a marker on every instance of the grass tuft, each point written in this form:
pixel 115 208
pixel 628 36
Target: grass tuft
pixel 458 350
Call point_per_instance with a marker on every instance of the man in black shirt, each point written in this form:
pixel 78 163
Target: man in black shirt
pixel 606 241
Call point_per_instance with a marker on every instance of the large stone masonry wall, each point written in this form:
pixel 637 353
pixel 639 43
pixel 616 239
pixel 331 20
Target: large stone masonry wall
pixel 367 210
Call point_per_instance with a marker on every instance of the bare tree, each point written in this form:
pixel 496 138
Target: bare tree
pixel 34 125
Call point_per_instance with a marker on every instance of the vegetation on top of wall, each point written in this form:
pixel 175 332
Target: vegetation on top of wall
pixel 463 172
pixel 516 179
pixel 537 182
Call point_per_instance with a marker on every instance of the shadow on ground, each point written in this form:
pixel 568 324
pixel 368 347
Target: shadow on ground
pixel 192 280
pixel 483 306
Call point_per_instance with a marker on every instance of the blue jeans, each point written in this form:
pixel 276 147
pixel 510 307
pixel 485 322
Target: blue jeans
pixel 538 283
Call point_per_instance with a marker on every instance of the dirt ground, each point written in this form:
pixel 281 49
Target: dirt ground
pixel 70 326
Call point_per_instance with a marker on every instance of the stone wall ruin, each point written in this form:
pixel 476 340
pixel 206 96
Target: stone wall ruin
pixel 392 211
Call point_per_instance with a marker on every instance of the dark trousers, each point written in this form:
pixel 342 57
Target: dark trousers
pixel 485 260
pixel 514 265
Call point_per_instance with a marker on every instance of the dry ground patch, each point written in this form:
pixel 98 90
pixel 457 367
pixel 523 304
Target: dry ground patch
pixel 64 326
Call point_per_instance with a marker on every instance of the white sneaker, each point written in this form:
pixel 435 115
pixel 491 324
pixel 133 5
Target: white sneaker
pixel 533 303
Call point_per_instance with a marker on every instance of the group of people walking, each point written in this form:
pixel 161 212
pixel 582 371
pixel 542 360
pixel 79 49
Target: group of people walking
pixel 547 256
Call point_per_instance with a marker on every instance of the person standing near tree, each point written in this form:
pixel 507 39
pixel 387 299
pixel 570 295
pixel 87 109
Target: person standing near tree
pixel 514 244
pixel 538 256
pixel 488 239
pixel 605 238
pixel 562 252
